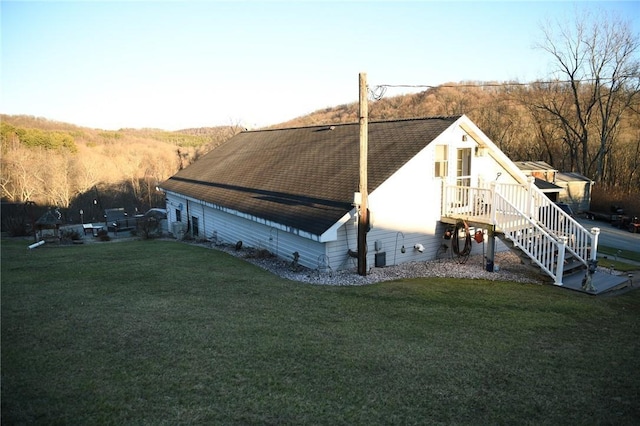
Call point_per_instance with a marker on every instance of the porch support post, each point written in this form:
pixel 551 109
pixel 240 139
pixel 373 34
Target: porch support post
pixel 595 232
pixel 491 248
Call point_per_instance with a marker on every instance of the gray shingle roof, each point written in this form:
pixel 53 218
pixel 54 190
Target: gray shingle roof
pixel 546 186
pixel 302 177
pixel 534 166
pixel 50 219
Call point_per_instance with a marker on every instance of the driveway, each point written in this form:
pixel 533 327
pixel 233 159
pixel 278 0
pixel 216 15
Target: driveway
pixel 613 237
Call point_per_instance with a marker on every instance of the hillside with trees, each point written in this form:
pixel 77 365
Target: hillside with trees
pixel 512 116
pixel 72 168
pixel 584 119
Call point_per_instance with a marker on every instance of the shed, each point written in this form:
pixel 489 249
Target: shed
pixel 575 190
pixel 48 225
pixel 538 169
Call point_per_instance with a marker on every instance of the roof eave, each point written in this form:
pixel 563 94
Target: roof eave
pixel 292 230
pixel 331 234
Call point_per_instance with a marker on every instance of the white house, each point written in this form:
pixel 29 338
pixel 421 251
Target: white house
pixel 292 191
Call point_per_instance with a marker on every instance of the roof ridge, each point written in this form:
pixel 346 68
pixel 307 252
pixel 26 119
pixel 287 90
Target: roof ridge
pixel 432 117
pixel 330 125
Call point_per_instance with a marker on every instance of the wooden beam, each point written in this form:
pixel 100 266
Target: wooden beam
pixel 363 219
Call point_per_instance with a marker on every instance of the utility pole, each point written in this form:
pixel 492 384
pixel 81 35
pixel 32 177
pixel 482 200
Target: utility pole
pixel 363 218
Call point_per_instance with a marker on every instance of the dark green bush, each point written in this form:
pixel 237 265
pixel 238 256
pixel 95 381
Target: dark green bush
pixel 16 226
pixel 103 235
pixel 70 235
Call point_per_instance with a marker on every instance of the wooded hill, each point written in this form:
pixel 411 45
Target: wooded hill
pixel 71 167
pixel 512 117
pixel 59 164
pixel 532 122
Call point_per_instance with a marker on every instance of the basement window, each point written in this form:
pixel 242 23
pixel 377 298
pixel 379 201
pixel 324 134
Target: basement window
pixel 442 163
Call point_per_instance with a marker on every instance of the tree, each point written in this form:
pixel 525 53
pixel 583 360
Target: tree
pixel 597 78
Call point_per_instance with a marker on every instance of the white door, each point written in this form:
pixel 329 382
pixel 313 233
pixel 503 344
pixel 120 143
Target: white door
pixel 463 175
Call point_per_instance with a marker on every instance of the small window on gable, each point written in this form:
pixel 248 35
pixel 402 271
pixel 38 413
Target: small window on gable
pixel 178 215
pixel 442 165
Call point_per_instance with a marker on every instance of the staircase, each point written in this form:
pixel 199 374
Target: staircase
pixel 530 224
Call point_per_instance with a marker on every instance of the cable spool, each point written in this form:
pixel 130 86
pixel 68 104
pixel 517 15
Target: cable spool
pixel 455 244
pixel 448 233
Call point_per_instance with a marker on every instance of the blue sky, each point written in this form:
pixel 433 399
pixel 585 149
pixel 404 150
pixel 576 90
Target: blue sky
pixel 174 65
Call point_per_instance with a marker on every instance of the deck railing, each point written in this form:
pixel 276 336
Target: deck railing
pixel 536 205
pixel 524 214
pixel 544 249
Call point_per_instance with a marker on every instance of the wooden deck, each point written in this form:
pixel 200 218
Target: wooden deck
pixel 531 225
pixel 475 222
pixel 602 281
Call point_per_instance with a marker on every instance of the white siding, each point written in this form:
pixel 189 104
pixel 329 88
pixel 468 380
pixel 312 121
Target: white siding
pixel 337 251
pixel 405 209
pixel 224 228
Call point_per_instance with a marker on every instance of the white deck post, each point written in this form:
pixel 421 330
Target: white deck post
pixel 530 202
pixel 493 202
pixel 560 261
pixel 594 243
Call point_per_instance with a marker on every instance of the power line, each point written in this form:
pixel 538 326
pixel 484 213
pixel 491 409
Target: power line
pixel 379 90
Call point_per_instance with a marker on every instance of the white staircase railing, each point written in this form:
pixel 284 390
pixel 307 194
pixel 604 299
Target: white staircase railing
pixel 537 206
pixel 532 239
pixel 528 218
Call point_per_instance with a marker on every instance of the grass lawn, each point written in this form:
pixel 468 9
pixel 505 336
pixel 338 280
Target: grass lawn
pixel 158 332
pixel 622 254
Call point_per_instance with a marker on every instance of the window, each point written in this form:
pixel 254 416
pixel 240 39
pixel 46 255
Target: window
pixel 463 167
pixel 178 215
pixel 194 226
pixel 442 165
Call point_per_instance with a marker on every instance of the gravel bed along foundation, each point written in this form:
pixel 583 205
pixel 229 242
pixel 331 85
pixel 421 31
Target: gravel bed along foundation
pixel 508 268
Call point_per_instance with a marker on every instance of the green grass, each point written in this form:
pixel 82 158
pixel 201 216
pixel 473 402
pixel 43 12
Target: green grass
pixel 156 332
pixel 618 265
pixel 622 254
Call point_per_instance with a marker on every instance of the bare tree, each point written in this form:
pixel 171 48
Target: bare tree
pixel 24 171
pixel 597 78
pixel 86 172
pixel 59 175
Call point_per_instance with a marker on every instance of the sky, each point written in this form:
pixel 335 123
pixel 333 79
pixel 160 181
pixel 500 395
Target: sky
pixel 182 64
